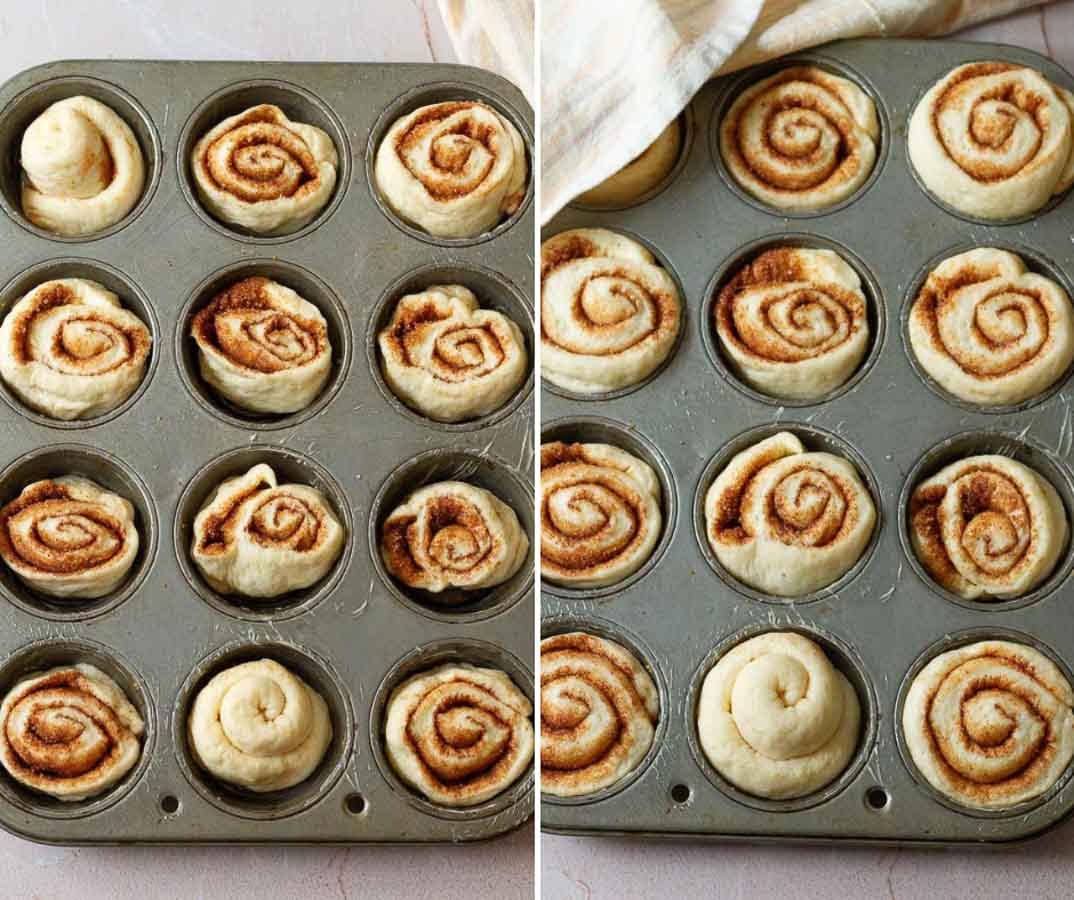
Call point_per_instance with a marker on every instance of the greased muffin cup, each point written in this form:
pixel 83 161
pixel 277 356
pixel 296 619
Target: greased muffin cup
pixel 162 628
pixel 884 618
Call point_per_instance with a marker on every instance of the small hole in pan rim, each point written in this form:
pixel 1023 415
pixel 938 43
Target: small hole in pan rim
pixel 1037 263
pixel 815 439
pixel 440 92
pixel 1018 446
pixel 112 474
pixel 30 103
pixel 494 291
pixel 320 675
pixel 479 468
pixel 611 631
pixel 517 799
pixel 596 429
pixel 875 312
pixel 846 659
pixel 953 641
pixel 290 467
pixel 54 652
pixel 684 323
pixel 737 84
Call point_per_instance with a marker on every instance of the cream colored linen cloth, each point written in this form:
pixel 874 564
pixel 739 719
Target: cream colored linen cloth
pixel 496 35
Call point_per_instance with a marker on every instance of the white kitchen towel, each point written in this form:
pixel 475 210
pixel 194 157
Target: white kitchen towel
pixel 614 74
pixel 496 35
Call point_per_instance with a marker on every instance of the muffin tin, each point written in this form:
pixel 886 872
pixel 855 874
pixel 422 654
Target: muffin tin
pixel 885 618
pixel 354 635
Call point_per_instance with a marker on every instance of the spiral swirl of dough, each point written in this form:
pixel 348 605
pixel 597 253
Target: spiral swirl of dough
pixel 260 726
pixel 793 322
pixel 990 725
pixel 261 171
pixel 263 347
pixel 453 169
pixel 600 514
pixel 69 732
pixel 82 168
pixel 988 527
pixel 69 538
pixel 459 734
pixel 989 331
pixel 453 535
pixel 642 174
pixel 785 521
pixel 802 139
pixel 610 315
pixel 994 140
pixel 776 718
pixel 449 359
pixel 261 539
pixel 599 708
pixel 69 350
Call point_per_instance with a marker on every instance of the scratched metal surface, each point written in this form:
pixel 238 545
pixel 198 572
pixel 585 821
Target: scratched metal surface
pixel 879 621
pixel 352 634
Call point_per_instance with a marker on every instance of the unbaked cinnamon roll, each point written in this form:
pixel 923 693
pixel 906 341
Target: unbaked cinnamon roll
pixel 786 521
pixel 802 139
pixel 453 169
pixel 453 535
pixel 990 725
pixel 610 314
pixel 599 709
pixel 449 359
pixel 458 734
pixel 599 511
pixel 68 349
pixel 262 539
pixel 989 331
pixel 793 322
pixel 69 538
pixel 642 174
pixel 69 732
pixel 988 527
pixel 263 172
pixel 258 725
pixel 776 718
pixel 994 140
pixel 82 168
pixel 263 347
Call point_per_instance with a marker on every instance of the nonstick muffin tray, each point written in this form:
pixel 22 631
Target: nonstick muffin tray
pixel 354 635
pixel 883 620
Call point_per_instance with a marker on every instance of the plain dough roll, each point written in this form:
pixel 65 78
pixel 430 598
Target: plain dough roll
pixel 642 174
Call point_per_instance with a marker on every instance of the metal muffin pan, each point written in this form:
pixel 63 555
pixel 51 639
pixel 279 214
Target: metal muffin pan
pixel 165 631
pixel 882 620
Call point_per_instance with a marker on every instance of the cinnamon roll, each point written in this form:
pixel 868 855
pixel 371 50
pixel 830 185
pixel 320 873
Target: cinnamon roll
pixel 642 174
pixel 776 718
pixel 458 734
pixel 801 140
pixel 989 331
pixel 68 349
pixel 449 359
pixel 610 314
pixel 453 535
pixel 453 169
pixel 263 172
pixel 263 347
pixel 258 725
pixel 988 527
pixel 69 538
pixel 261 539
pixel 994 140
pixel 793 322
pixel 82 168
pixel 600 514
pixel 599 709
pixel 785 521
pixel 990 725
pixel 69 732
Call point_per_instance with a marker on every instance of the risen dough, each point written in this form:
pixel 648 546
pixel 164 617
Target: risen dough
pixel 642 174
